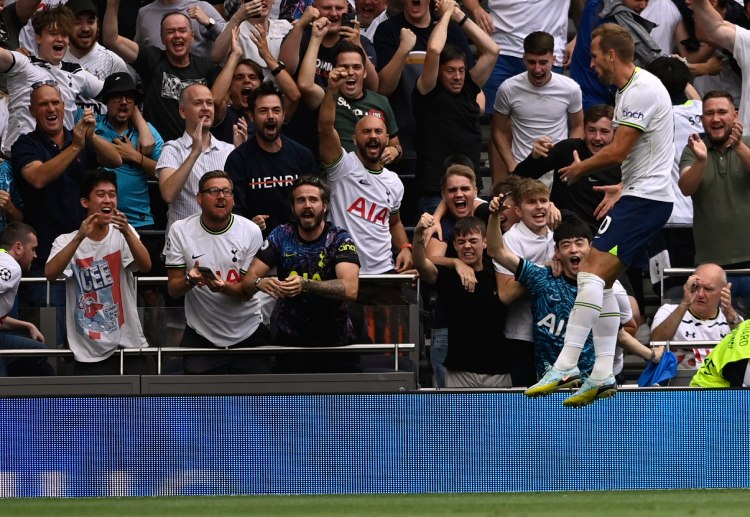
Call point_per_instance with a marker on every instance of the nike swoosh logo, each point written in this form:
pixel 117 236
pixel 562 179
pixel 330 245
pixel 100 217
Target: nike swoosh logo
pixel 555 298
pixel 364 182
pixel 290 254
pixel 198 256
pixel 593 180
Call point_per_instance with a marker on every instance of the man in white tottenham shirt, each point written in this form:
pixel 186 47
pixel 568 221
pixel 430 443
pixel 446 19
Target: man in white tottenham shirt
pixel 207 255
pixel 18 244
pixel 84 48
pixel 365 196
pixel 98 261
pixel 644 143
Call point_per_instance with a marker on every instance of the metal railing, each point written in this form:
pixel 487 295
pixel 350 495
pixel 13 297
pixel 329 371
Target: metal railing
pixel 411 346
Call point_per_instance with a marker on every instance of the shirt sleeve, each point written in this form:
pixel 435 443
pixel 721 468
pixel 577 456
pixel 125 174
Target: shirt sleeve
pixel 57 245
pixel 159 145
pixel 127 255
pixel 636 108
pixel 662 314
pixel 269 251
pixel 169 158
pixel 502 99
pixel 175 252
pixel 346 250
pixel 576 98
pixel 532 276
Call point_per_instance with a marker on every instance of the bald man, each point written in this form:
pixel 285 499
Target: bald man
pixel 705 313
pixel 365 196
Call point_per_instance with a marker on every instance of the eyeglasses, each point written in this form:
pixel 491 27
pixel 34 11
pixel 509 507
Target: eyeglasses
pixel 48 82
pixel 215 191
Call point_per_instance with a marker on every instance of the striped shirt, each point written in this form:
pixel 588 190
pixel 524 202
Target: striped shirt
pixel 173 155
pixel 100 61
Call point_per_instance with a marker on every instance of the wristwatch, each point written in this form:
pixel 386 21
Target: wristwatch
pixel 211 24
pixel 276 71
pixel 189 280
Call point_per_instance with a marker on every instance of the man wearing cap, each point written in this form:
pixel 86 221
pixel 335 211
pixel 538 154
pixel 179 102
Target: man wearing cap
pixel 84 48
pixel 119 95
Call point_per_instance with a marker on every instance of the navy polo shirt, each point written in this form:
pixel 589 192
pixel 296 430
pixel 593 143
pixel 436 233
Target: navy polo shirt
pixel 55 208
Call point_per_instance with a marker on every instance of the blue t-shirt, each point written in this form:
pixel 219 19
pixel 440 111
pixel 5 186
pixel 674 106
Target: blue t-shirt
pixel 132 182
pixel 552 301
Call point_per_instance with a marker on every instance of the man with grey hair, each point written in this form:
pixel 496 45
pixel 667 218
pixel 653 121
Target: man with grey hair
pixel 705 313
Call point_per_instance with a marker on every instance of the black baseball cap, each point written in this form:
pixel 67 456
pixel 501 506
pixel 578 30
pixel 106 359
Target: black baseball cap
pixel 82 6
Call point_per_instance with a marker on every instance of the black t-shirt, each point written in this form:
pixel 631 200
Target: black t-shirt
pixel 446 124
pixel 476 322
pixel 580 197
pixel 387 38
pixel 163 83
pixel 263 180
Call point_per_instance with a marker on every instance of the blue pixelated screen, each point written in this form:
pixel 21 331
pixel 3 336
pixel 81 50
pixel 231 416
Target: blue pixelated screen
pixel 389 443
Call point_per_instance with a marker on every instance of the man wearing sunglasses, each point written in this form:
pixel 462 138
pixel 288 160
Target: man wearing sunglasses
pixel 208 254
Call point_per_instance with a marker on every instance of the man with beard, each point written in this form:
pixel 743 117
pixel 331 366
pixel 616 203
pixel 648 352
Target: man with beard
pixel 714 173
pixel 644 144
pixel 84 48
pixel 354 101
pixel 366 196
pixel 318 273
pixel 165 73
pixel 536 103
pixel 208 255
pixel 238 78
pixel 98 261
pixel 264 167
pixel 585 198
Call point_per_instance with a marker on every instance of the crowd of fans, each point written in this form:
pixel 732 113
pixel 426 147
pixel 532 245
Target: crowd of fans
pixel 294 142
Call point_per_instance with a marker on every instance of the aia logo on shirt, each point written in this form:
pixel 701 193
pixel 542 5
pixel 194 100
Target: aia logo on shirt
pixel 369 211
